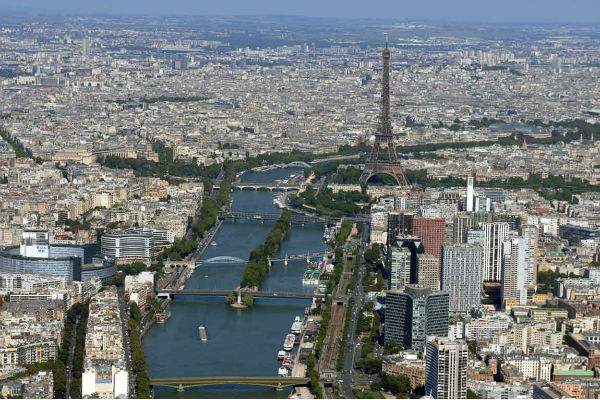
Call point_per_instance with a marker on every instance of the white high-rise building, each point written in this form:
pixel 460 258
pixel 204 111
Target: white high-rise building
pixel 462 269
pixel 446 368
pixel 519 265
pixel 400 267
pixel 495 234
pixel 470 194
pixel 86 47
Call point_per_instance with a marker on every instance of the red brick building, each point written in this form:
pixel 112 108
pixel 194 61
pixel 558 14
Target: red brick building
pixel 432 233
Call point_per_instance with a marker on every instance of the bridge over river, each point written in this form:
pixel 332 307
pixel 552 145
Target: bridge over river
pixel 277 382
pixel 237 260
pixel 168 293
pixel 296 218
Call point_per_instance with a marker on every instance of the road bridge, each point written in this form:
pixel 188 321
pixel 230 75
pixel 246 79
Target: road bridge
pixel 164 293
pixel 276 382
pixel 237 260
pixel 296 218
pixel 275 187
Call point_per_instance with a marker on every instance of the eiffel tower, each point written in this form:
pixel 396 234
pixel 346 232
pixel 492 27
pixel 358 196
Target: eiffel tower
pixel 384 138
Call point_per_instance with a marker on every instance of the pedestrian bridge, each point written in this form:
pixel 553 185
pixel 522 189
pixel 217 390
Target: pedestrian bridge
pixel 181 384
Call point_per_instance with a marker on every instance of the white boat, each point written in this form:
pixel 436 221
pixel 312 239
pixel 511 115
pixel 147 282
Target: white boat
pixel 202 333
pixel 213 243
pixel 296 327
pixel 282 372
pixel 281 355
pixel 289 342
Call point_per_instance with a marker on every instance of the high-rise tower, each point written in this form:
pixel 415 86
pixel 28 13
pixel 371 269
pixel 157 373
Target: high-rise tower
pixel 383 158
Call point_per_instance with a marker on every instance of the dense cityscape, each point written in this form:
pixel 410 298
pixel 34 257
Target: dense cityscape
pixel 292 207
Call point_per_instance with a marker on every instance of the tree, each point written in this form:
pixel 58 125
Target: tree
pixel 392 348
pixel 396 384
pixel 369 365
pixel 135 312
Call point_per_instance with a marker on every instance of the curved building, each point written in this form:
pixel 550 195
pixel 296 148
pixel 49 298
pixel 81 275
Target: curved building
pixel 128 246
pixel 63 262
pixel 36 256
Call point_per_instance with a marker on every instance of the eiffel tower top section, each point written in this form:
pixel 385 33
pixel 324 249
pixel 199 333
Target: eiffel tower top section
pixel 386 123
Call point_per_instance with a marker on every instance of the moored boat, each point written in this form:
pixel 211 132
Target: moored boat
pixel 289 342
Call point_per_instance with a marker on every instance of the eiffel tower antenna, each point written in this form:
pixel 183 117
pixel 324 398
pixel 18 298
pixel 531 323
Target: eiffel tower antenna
pixel 384 137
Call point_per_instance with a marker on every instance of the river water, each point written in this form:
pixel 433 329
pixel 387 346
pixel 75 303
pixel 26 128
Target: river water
pixel 240 342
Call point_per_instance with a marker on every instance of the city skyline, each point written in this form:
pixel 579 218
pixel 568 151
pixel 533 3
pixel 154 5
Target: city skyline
pixel 510 11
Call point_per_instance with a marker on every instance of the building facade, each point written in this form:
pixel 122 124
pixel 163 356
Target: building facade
pixel 413 314
pixel 446 368
pixel 495 234
pixel 462 275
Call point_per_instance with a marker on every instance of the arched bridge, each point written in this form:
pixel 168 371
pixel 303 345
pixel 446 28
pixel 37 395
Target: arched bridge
pixel 237 260
pixel 275 187
pixel 184 383
pixel 301 164
pixel 222 260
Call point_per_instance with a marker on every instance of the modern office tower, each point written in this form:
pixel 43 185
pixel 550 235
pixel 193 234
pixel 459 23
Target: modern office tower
pixel 470 194
pixel 513 221
pixel 399 223
pixel 475 236
pixel 462 270
pixel 413 314
pixel 481 217
pixel 127 246
pixel 446 368
pixel 496 234
pixel 428 271
pixel 432 233
pixel 460 227
pixel 531 234
pixel 575 233
pixel 519 266
pixel 399 267
pixel 85 47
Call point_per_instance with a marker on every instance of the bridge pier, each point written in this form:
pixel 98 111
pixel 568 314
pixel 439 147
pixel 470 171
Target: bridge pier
pixel 180 388
pixel 285 261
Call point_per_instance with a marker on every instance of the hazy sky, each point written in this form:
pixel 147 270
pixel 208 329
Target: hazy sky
pixel 473 10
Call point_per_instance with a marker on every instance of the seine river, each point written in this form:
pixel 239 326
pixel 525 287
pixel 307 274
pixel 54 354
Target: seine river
pixel 240 342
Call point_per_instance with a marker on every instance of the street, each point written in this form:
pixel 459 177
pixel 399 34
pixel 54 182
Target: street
pixel 353 345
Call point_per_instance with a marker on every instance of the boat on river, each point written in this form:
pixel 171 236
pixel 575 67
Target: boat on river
pixel 288 344
pixel 282 372
pixel 311 277
pixel 202 333
pixel 296 326
pixel 161 318
pixel 281 355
